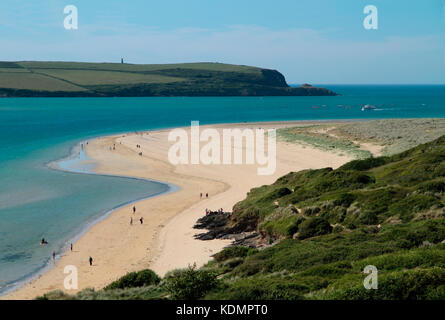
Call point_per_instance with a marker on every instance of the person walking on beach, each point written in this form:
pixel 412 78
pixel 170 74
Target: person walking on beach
pixel 54 256
pixel 91 261
pixel 141 220
pixel 71 247
pixel 134 209
pixel 131 221
pixel 200 195
pixel 207 195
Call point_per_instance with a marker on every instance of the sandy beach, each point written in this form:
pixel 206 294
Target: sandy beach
pixel 165 240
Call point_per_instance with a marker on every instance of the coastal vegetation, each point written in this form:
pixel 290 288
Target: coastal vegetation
pixel 316 230
pixel 73 79
pixel 383 137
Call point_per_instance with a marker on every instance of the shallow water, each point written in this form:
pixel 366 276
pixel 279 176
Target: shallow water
pixel 37 201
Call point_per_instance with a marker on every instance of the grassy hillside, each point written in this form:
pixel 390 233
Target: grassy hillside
pixel 319 229
pixel 115 79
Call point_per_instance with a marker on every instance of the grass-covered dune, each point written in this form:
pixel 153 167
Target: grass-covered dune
pixel 387 136
pixel 319 230
pixel 72 79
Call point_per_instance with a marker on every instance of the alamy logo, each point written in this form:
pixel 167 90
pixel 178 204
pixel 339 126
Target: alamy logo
pixel 187 150
pixel 71 280
pixel 371 281
pixel 372 19
pixel 71 20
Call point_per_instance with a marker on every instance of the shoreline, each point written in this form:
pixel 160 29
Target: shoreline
pixel 55 165
pixel 103 219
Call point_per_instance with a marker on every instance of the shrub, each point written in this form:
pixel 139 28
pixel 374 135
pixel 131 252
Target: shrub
pixel 190 284
pixel 234 252
pixel 54 295
pixel 365 164
pixel 433 186
pixel 337 229
pixel 368 217
pixel 141 293
pixel 258 288
pixel 403 285
pixel 282 227
pixel 344 199
pixel 340 179
pixel 314 227
pixel 275 194
pixel 135 279
pixel 412 204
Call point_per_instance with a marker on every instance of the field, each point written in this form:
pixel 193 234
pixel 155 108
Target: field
pixel 88 78
pixel 139 67
pixel 32 81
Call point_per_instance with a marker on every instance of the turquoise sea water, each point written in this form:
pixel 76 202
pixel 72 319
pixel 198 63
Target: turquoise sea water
pixel 37 201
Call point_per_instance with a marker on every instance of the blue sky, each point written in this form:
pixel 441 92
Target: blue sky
pixel 316 41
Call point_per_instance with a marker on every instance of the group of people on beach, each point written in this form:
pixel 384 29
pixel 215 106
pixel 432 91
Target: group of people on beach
pixel 207 195
pixel 82 145
pixel 138 146
pixel 220 211
pixel 44 242
pixel 141 219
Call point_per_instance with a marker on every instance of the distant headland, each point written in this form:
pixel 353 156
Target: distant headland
pixel 79 79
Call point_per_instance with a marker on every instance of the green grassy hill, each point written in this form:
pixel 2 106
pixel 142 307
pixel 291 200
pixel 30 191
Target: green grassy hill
pixel 21 79
pixel 320 229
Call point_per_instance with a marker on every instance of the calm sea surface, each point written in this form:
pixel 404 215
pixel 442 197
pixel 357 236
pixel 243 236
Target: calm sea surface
pixel 37 201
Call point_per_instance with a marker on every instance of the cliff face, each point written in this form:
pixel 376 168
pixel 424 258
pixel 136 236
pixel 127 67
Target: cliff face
pixel 273 78
pixel 68 79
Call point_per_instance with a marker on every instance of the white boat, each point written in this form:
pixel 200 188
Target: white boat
pixel 368 107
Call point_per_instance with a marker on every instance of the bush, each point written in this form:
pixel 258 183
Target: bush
pixel 344 199
pixel 433 186
pixel 142 278
pixel 234 252
pixel 260 289
pixel 413 204
pixel 281 225
pixel 276 194
pixel 314 227
pixel 54 295
pixel 190 284
pixel 368 218
pixel 142 293
pixel 340 179
pixel 365 164
pixel 337 229
pixel 404 285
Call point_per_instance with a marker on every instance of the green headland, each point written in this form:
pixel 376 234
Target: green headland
pixel 75 79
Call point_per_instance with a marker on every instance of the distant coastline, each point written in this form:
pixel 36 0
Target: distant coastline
pixel 74 79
